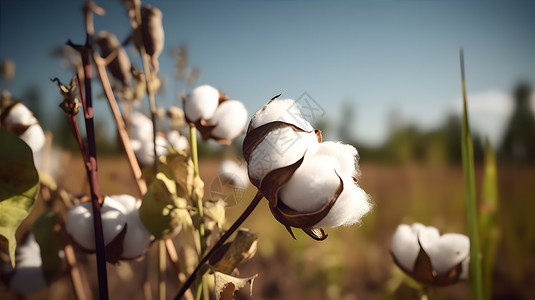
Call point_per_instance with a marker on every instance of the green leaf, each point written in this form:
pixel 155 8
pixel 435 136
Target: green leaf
pixel 162 211
pixel 47 235
pixel 19 186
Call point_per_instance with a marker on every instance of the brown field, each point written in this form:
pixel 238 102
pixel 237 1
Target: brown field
pixel 354 262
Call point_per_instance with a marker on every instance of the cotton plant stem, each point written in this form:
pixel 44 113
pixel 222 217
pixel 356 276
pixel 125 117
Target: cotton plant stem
pixel 475 274
pixel 74 271
pixel 219 243
pixel 198 202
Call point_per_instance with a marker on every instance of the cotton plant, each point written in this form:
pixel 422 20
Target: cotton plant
pixel 122 227
pixel 214 114
pixel 429 257
pixel 309 183
pixel 19 120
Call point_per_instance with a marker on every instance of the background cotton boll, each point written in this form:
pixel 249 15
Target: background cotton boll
pixel 28 276
pixel 137 238
pixel 280 148
pixel 141 128
pixel 144 150
pixel 465 268
pixel 35 138
pixel 79 224
pixel 230 118
pixel 235 174
pixel 447 251
pixel 405 247
pixel 351 206
pixel 177 141
pixel 19 114
pixel 120 66
pixel 345 155
pixel 285 110
pixel 312 185
pixel 152 32
pixel 201 103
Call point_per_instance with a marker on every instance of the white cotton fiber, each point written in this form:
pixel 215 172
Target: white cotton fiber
pixel 79 224
pixel 230 118
pixel 201 103
pixel 20 114
pixel 285 110
pixel 352 204
pixel 405 247
pixel 346 156
pixel 234 173
pixel 280 148
pixel 178 141
pixel 141 127
pixel 28 276
pixel 137 238
pixel 447 251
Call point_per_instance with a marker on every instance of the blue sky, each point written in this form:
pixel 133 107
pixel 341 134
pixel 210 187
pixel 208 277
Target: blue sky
pixel 383 57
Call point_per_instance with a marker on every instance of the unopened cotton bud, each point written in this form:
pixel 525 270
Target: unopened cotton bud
pixel 137 238
pixel 152 33
pixel 120 66
pixel 28 276
pixel 79 224
pixel 233 173
pixel 229 119
pixel 201 103
pixel 445 251
pixel 405 247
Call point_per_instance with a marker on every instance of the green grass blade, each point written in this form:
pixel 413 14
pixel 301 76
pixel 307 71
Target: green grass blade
pixel 488 222
pixel 476 288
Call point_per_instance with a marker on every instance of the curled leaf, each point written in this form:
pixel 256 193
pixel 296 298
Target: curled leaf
pixel 241 249
pixel 226 285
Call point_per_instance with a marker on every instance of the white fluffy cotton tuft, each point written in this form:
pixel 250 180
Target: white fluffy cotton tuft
pixel 446 251
pixel 285 110
pixel 28 276
pixel 234 173
pixel 201 103
pixel 20 114
pixel 230 118
pixel 178 141
pixel 405 247
pixel 79 224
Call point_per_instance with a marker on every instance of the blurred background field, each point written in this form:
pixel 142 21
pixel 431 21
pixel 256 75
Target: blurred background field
pixel 382 76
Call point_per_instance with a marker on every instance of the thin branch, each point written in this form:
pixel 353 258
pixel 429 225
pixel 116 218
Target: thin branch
pixel 220 242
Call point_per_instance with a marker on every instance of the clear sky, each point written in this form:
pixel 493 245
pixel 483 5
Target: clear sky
pixel 383 57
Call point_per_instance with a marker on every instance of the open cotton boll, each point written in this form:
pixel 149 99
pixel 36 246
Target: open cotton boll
pixel 446 251
pixel 235 174
pixel 285 110
pixel 178 141
pixel 144 150
pixel 405 247
pixel 28 276
pixel 201 103
pixel 352 204
pixel 346 156
pixel 34 136
pixel 229 119
pixel 312 185
pixel 20 114
pixel 79 224
pixel 280 148
pixel 137 238
pixel 141 128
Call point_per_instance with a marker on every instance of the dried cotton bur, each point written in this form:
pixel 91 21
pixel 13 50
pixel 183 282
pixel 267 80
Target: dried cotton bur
pixel 309 183
pixel 119 66
pixel 151 34
pixel 431 258
pixel 214 115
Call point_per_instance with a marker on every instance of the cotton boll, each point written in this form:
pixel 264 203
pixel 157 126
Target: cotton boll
pixel 20 114
pixel 446 251
pixel 285 110
pixel 137 238
pixel 177 141
pixel 120 66
pixel 35 138
pixel 234 173
pixel 280 148
pixel 351 206
pixel 144 149
pixel 346 156
pixel 405 247
pixel 465 269
pixel 312 185
pixel 153 33
pixel 141 128
pixel 79 224
pixel 28 276
pixel 201 103
pixel 230 118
